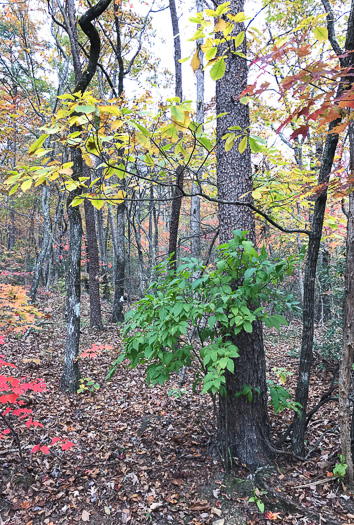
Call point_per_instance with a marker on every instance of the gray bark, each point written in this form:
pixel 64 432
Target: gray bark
pixel 345 369
pixel 243 425
pixel 117 313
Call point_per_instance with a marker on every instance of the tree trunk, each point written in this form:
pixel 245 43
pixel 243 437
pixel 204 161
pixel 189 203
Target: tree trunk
pixel 70 376
pixel 93 265
pixel 348 334
pixel 117 313
pixel 174 219
pixel 243 426
pixel 308 310
pixel 45 244
pixel 306 358
pixel 177 50
pixel 195 200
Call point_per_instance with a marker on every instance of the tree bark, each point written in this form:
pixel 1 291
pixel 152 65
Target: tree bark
pixel 195 200
pixel 45 244
pixel 243 425
pixel 117 313
pixel 174 219
pixel 306 357
pixel 177 50
pixel 93 264
pixel 70 375
pixel 345 369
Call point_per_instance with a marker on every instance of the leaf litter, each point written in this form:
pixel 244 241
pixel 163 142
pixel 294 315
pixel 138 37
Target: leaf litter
pixel 143 456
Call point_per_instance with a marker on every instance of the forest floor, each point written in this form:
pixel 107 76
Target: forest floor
pixel 144 456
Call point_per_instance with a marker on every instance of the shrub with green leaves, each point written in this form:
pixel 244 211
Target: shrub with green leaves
pixel 194 313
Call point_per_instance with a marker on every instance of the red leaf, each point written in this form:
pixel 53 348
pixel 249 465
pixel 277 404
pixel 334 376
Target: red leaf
pixel 67 445
pixel 45 449
pixel 302 130
pixel 35 448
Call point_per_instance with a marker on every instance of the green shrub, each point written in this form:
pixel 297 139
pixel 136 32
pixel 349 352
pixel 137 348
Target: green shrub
pixel 195 313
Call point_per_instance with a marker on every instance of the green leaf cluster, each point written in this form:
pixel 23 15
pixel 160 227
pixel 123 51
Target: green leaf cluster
pixel 195 314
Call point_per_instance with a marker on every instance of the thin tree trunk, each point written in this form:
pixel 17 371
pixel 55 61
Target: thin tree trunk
pixel 117 313
pixel 45 243
pixel 345 369
pixel 177 50
pixel 195 200
pixel 103 254
pixel 306 358
pixel 70 376
pixel 174 219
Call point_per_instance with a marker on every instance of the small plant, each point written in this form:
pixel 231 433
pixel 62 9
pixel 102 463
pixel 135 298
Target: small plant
pixel 179 308
pixel 177 393
pixel 340 468
pixel 281 398
pixel 256 498
pixel 86 383
pixel 282 373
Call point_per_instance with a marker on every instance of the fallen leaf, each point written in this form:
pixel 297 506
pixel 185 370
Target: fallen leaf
pixel 85 515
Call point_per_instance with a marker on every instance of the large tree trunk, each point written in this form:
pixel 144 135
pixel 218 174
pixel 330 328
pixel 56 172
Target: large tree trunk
pixel 70 376
pixel 243 425
pixel 93 265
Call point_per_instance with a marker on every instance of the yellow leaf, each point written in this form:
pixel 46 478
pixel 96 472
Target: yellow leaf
pixel 119 197
pixel 208 45
pixel 243 145
pixel 220 25
pixel 195 62
pixel 97 203
pixel 256 194
pixel 116 124
pixel 113 110
pixel 320 33
pixel 26 184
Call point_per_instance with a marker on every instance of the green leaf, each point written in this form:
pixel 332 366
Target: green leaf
pixel 98 203
pixel 239 39
pixel 206 143
pixel 218 69
pixel 321 33
pixel 244 100
pixel 243 145
pixel 222 8
pixel 14 189
pixel 260 505
pixel 177 114
pixel 255 146
pixel 77 201
pixel 85 109
pixel 210 54
pixel 38 144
